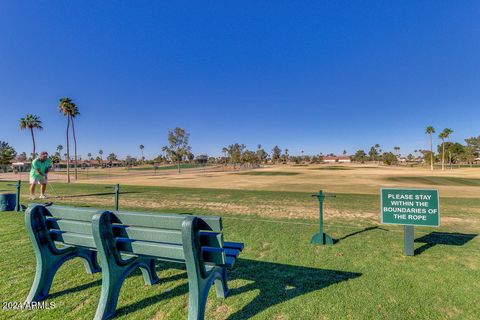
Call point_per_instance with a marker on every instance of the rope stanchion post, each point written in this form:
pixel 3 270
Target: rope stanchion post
pixel 18 186
pixel 117 194
pixel 321 237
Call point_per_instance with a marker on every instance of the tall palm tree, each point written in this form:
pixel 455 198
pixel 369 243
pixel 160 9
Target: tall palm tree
pixel 59 150
pixel 444 135
pixel 66 106
pixel 89 155
pixel 31 122
pixel 141 149
pixel 100 152
pixel 397 149
pixel 430 130
pixel 73 113
pixel 225 150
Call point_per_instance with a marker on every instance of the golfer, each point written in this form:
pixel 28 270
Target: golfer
pixel 38 174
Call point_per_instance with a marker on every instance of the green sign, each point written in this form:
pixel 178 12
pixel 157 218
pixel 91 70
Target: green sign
pixel 418 207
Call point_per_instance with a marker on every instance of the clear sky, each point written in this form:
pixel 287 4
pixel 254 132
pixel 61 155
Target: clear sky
pixel 318 76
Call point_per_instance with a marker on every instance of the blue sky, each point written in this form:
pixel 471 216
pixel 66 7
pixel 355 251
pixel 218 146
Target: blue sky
pixel 318 76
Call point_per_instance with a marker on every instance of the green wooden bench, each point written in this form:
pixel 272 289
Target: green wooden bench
pixel 126 241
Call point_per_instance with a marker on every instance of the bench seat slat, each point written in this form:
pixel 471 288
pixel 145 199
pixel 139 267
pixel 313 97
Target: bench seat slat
pixel 232 253
pixel 234 245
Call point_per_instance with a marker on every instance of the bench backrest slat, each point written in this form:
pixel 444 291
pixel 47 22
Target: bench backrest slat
pixel 138 219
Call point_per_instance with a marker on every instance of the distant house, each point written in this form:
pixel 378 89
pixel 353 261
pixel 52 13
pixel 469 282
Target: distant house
pixel 334 159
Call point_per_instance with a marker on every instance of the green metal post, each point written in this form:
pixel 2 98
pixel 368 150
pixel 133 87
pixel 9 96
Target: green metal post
pixel 408 237
pixel 117 193
pixel 321 237
pixel 17 204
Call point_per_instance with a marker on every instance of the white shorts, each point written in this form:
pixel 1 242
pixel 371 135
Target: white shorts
pixel 39 181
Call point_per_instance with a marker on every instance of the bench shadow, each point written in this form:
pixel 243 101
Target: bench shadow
pixel 358 232
pixel 92 194
pixel 444 238
pixel 278 283
pixel 99 283
pixel 275 282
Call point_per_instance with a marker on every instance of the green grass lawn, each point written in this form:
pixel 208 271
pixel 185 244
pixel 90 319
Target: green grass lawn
pixel 280 275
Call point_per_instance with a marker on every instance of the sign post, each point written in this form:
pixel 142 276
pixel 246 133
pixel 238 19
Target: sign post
pixel 410 207
pixel 321 237
pixel 117 194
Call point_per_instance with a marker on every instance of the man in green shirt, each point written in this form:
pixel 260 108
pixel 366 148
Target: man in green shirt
pixel 38 174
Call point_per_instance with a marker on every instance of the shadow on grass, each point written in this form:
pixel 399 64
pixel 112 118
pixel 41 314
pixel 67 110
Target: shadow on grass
pixel 358 232
pixel 276 283
pixel 451 239
pixel 91 194
pixel 75 289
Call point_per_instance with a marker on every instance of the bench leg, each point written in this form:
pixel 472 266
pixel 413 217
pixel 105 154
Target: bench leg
pixel 90 261
pixel 148 271
pixel 221 286
pixel 114 268
pixel 197 299
pixel 43 280
pixel 48 257
pixel 111 285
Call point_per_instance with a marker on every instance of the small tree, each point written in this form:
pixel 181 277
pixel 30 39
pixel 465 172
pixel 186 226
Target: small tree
pixel 235 152
pixel 141 147
pixel 389 158
pixel 178 145
pixel 262 155
pixel 100 152
pixel 59 150
pixel 359 156
pixel 7 154
pixel 276 153
pixel 444 135
pixel 112 157
pixel 225 151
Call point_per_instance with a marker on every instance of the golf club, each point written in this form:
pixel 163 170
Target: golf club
pixel 55 191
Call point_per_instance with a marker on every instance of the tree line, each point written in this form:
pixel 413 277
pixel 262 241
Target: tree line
pixel 178 149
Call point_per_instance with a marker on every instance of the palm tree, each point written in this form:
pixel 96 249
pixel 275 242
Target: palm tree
pixel 225 150
pixel 65 106
pixel 141 149
pixel 100 152
pixel 89 155
pixel 397 149
pixel 59 149
pixel 444 135
pixel 430 130
pixel 73 113
pixel 31 122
